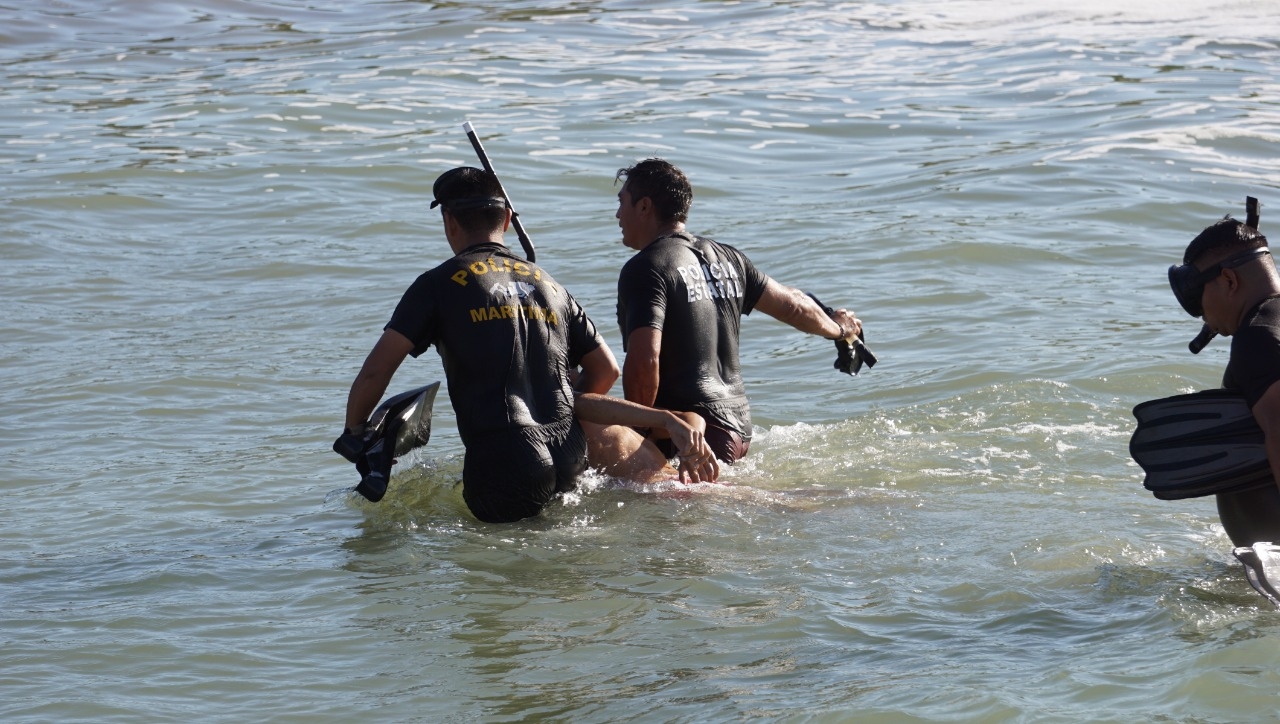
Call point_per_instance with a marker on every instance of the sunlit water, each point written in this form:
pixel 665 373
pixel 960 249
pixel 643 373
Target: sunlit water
pixel 210 209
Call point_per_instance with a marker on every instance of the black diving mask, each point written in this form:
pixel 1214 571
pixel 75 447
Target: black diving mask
pixel 1188 282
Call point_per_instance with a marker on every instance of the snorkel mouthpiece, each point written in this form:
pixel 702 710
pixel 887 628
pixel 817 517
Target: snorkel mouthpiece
pixel 1205 337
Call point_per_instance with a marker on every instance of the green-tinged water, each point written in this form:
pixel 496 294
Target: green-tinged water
pixel 209 211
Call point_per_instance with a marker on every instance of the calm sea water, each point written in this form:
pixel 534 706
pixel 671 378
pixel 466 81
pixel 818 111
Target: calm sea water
pixel 209 210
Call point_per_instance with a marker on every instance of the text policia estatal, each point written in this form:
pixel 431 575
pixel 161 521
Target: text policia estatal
pixel 711 281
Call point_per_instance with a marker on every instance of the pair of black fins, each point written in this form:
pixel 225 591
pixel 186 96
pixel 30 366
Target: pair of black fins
pixel 402 423
pixel 1205 443
pixel 1198 444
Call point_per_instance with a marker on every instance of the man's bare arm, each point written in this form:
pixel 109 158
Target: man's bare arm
pixel 792 306
pixel 640 369
pixel 1267 413
pixel 376 373
pixel 685 428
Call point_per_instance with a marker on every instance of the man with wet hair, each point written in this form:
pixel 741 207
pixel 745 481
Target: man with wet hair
pixel 510 338
pixel 1237 291
pixel 681 298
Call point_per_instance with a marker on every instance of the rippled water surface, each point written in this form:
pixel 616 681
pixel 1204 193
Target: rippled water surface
pixel 210 209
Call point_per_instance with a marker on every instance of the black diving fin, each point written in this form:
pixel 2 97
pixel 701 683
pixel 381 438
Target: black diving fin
pixel 400 424
pixel 1199 444
pixel 1262 568
pixel 850 354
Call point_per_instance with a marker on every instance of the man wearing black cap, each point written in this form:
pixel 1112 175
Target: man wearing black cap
pixel 1229 278
pixel 680 302
pixel 509 337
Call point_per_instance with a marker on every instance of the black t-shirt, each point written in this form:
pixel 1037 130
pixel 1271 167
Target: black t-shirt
pixel 694 290
pixel 1255 352
pixel 508 336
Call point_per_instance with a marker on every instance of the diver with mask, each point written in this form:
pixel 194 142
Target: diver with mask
pixel 1224 442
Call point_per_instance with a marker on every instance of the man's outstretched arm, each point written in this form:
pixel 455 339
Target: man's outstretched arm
pixel 794 307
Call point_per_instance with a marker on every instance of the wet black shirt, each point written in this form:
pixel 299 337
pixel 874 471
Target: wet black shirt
pixel 507 334
pixel 1255 352
pixel 694 290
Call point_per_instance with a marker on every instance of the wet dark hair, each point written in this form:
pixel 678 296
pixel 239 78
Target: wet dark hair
pixel 472 196
pixel 1224 236
pixel 662 183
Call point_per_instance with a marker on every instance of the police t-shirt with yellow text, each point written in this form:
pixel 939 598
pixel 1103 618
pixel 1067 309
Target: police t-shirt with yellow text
pixel 507 334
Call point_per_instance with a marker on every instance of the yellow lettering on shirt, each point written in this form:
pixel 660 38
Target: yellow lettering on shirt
pixel 531 311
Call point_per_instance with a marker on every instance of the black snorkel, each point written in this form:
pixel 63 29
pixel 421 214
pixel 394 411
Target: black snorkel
pixel 525 241
pixel 1188 282
pixel 850 354
pixel 1204 338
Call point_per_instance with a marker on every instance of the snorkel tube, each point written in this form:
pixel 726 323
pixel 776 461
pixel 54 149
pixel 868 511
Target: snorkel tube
pixel 1206 333
pixel 1204 338
pixel 525 241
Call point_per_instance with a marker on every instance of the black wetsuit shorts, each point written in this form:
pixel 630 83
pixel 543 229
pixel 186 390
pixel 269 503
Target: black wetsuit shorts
pixel 511 474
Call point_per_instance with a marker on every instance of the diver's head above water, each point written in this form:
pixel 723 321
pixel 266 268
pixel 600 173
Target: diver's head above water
pixel 472 206
pixel 1226 270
